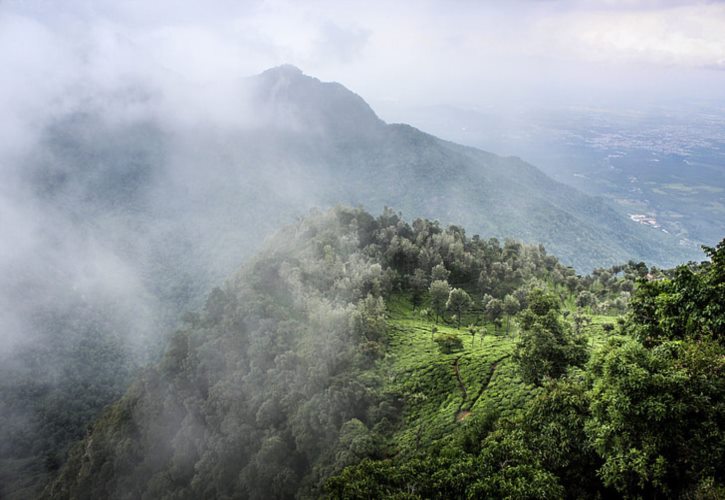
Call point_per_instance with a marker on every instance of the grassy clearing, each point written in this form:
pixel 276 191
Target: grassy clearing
pixel 443 390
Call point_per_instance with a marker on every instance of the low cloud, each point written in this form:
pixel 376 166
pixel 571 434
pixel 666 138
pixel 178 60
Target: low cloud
pixel 423 52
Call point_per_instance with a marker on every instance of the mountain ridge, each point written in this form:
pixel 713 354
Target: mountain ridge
pixel 632 243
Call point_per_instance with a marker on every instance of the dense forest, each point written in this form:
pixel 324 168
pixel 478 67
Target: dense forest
pixel 363 357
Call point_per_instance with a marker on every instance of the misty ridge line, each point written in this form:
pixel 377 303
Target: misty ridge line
pixel 279 386
pixel 286 338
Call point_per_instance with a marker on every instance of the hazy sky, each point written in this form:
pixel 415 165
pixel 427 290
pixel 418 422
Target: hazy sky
pixel 408 52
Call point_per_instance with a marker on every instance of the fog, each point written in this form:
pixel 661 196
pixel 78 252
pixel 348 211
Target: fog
pixel 181 70
pixel 140 162
pixel 420 52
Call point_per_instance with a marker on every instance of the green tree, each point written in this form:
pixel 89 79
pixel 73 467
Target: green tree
pixel 555 422
pixel 580 321
pixel 485 282
pixel 439 273
pixel 355 442
pixel 585 299
pixel 689 304
pixel 657 415
pixel 508 468
pixel 547 347
pixel 494 311
pixel 418 284
pixel 458 301
pixel 511 307
pixel 448 342
pixel 439 291
pixel 473 331
pixel 368 319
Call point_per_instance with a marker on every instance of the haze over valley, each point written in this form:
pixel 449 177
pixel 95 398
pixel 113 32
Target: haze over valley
pixel 663 163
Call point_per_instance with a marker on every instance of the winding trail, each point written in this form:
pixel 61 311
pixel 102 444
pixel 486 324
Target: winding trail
pixel 457 371
pixel 464 410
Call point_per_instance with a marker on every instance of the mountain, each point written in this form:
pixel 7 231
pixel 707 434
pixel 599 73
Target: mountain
pixel 313 372
pixel 377 164
pixel 611 152
pixel 310 143
pixel 125 214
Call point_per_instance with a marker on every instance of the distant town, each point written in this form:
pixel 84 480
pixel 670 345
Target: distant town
pixel 644 219
pixel 648 220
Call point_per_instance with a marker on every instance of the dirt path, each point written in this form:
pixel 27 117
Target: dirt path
pixel 460 414
pixel 484 386
pixel 457 371
pixel 464 410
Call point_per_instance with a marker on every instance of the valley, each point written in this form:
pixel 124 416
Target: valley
pixel 661 161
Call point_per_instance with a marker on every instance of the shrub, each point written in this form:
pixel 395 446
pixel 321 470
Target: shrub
pixel 448 342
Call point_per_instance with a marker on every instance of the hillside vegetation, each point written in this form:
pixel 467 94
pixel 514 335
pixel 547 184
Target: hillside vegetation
pixel 362 357
pixel 128 221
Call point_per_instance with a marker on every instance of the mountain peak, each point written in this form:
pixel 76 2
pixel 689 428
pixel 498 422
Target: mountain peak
pixel 288 70
pixel 322 106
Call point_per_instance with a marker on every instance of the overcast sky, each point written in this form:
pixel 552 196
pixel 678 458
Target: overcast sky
pixel 408 52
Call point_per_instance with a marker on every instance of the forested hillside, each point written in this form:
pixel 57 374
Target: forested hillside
pixel 124 215
pixel 360 357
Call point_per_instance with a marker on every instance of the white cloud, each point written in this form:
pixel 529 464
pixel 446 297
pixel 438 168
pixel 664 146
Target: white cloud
pixel 421 51
pixel 686 36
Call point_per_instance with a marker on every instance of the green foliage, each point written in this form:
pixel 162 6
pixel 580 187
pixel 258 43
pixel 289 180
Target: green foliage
pixel 657 398
pixel 310 374
pixel 555 422
pixel 511 306
pixel 585 299
pixel 508 468
pixel 657 415
pixel 418 285
pixel 83 365
pixel 458 302
pixel 266 391
pixel 448 342
pixel 547 347
pixel 592 434
pixel 439 292
pixel 368 319
pixel 494 310
pixel 689 304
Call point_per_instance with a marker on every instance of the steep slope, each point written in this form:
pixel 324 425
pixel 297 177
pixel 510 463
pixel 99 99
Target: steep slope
pixel 142 212
pixel 312 372
pixel 375 164
pixel 259 394
pixel 252 393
